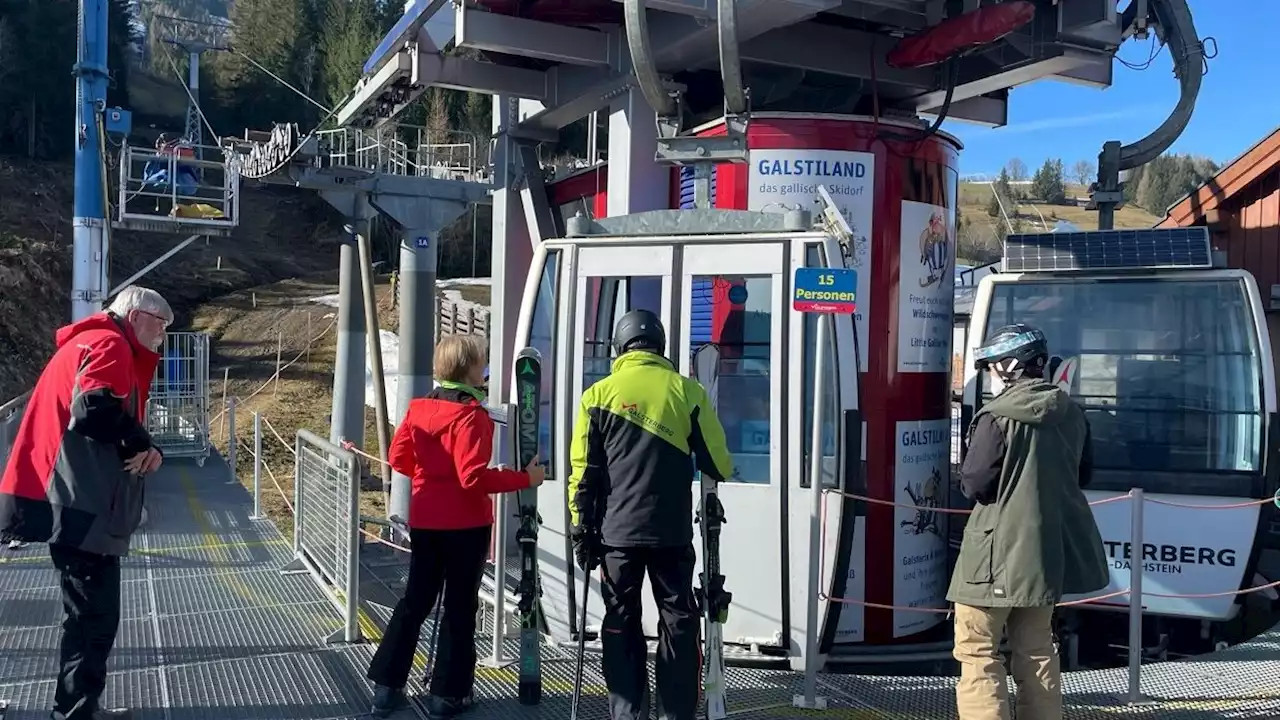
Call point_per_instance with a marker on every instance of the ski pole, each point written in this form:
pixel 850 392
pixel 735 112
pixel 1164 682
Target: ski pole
pixel 582 646
pixel 435 628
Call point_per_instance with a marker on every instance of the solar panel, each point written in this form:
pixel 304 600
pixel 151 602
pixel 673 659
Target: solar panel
pixel 1135 249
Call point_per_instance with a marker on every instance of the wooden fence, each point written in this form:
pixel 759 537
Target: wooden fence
pixel 461 319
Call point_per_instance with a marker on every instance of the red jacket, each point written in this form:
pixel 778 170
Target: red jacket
pixel 65 481
pixel 444 445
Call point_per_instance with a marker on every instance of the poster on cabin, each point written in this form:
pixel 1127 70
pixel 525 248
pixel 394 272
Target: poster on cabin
pixel 921 478
pixel 782 180
pixel 926 288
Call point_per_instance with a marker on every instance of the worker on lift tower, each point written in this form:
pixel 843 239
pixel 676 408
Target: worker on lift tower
pixel 631 508
pixel 1031 538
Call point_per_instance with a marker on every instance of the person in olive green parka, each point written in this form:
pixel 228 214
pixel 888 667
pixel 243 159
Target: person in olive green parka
pixel 1031 538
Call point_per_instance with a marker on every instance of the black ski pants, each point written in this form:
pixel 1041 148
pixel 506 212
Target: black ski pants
pixel 453 559
pixel 91 599
pixel 679 663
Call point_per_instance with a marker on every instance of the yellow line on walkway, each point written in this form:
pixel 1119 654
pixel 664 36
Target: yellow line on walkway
pixel 231 580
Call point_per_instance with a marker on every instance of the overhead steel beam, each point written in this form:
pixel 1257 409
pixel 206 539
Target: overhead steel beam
pixel 418 14
pixel 990 111
pixel 908 19
pixel 678 43
pixel 692 8
pixel 459 73
pixel 408 74
pixel 1057 60
pixel 531 38
pixel 398 70
pixel 837 51
pixel 1097 75
pixel 913 6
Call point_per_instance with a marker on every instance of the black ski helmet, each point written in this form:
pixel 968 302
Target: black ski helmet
pixel 639 330
pixel 1013 349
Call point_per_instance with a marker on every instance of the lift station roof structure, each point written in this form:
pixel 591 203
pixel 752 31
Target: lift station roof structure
pixel 818 56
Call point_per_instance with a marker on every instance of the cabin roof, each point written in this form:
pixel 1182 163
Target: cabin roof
pixel 1204 203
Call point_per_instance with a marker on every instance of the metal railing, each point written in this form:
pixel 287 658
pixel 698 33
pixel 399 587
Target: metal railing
pixel 160 186
pixel 178 406
pixel 326 527
pixel 403 150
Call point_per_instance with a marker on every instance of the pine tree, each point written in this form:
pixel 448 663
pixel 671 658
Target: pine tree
pixel 349 33
pixel 38 41
pixel 1049 184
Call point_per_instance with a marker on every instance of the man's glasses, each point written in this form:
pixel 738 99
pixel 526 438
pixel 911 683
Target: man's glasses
pixel 163 321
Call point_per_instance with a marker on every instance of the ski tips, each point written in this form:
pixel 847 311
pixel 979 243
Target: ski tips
pixel 529 352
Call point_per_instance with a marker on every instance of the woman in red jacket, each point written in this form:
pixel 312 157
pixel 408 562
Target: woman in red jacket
pixel 443 445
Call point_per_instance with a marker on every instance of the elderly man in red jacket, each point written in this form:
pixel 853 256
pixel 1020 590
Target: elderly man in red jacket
pixel 74 479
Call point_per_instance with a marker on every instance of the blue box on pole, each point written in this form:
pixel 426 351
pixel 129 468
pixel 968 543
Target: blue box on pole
pixel 117 121
pixel 825 290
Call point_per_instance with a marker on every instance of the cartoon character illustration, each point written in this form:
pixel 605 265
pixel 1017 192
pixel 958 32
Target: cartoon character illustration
pixel 927 497
pixel 935 250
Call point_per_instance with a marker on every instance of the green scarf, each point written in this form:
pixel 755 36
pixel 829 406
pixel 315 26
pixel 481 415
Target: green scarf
pixel 473 392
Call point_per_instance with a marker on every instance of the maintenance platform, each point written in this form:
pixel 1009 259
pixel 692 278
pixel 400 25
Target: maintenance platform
pixel 213 629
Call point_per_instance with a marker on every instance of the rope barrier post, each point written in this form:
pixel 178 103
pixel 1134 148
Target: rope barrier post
pixel 1136 502
pixel 257 466
pixel 351 631
pixel 231 435
pixel 297 497
pixel 810 699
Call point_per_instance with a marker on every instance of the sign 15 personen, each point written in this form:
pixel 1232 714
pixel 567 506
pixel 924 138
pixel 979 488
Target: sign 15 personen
pixel 825 290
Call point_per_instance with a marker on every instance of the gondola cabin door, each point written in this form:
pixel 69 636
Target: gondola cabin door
pixel 725 301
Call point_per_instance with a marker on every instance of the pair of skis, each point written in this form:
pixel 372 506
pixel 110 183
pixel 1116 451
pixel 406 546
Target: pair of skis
pixel 528 431
pixel 714 600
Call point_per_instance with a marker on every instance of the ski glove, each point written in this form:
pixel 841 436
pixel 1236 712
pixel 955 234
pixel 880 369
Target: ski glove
pixel 587 549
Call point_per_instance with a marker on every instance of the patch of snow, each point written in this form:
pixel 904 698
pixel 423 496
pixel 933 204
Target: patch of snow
pixel 330 300
pixel 390 372
pixel 462 303
pixel 458 282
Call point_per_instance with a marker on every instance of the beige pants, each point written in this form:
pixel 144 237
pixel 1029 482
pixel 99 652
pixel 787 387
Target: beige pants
pixel 983 690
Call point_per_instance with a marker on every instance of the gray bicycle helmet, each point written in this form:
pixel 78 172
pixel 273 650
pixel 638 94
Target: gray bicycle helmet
pixel 1013 349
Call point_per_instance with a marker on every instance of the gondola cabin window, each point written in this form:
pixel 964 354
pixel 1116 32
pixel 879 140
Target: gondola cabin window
pixel 1169 371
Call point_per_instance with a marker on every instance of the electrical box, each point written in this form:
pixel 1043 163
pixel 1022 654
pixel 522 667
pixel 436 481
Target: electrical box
pixel 117 121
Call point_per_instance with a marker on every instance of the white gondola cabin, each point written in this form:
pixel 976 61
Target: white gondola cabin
pixel 1172 362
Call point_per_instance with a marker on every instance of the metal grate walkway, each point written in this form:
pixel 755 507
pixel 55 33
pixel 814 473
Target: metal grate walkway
pixel 213 630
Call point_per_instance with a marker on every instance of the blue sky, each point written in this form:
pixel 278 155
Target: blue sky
pixel 1238 103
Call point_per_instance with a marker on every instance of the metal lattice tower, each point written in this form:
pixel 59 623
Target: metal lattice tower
pixel 194 37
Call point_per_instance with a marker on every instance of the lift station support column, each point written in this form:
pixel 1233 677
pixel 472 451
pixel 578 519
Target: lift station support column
pixel 347 420
pixel 637 183
pixel 421 220
pixel 89 228
pixel 512 244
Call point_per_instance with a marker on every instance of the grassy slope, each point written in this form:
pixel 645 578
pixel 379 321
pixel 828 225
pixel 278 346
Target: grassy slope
pixel 974 198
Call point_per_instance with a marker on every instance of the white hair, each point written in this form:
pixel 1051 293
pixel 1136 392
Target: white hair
pixel 135 297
